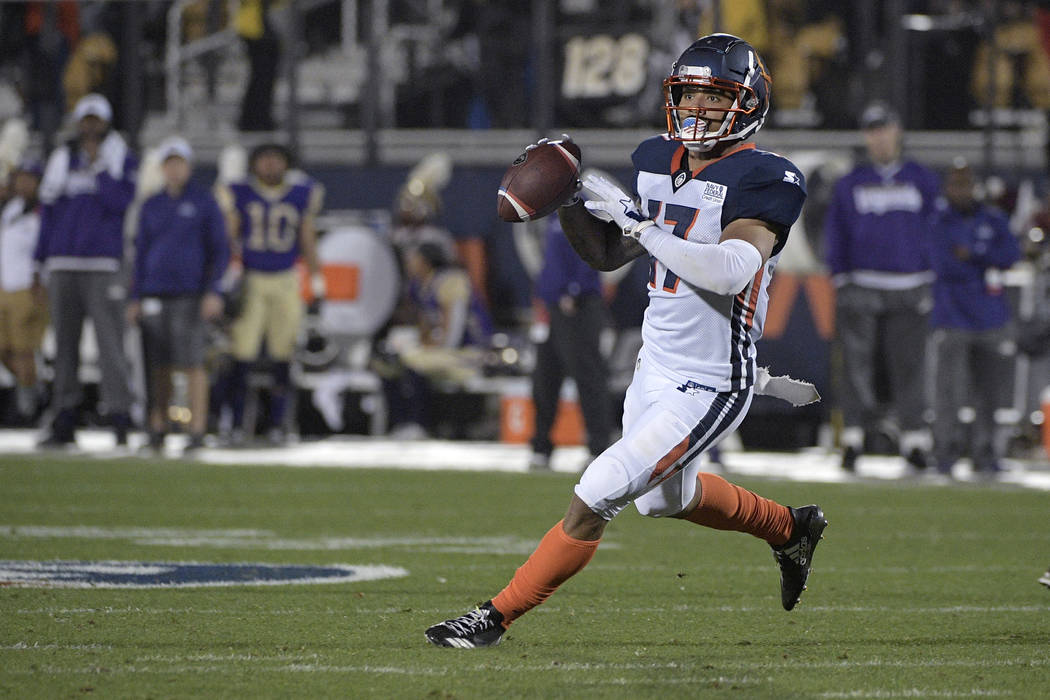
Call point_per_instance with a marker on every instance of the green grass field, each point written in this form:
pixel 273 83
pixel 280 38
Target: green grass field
pixel 917 591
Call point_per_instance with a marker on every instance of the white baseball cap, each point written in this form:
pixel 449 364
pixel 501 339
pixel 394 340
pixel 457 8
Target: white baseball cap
pixel 93 105
pixel 175 146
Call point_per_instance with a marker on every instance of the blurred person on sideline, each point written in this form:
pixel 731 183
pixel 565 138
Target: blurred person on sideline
pixel 23 305
pixel 971 244
pixel 86 189
pixel 453 329
pixel 181 253
pixel 876 237
pixel 417 212
pixel 570 308
pixel 264 57
pixel 271 218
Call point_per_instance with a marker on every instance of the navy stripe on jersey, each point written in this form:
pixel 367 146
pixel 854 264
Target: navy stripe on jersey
pixel 745 306
pixel 725 409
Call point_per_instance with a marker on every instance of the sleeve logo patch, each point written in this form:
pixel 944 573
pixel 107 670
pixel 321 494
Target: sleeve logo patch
pixel 791 177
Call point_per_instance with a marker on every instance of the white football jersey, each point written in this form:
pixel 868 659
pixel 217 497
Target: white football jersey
pixel 695 335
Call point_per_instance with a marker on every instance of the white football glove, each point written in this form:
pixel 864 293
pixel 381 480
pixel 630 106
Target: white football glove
pixel 608 202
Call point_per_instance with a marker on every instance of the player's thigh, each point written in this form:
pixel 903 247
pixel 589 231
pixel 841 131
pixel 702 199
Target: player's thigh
pixel 668 433
pixel 158 343
pixel 285 315
pixel 672 495
pixel 29 321
pixel 186 324
pixel 643 391
pixel 246 332
pixel 8 331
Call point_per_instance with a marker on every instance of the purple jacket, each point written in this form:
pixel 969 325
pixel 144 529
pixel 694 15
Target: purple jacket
pixel 563 271
pixel 961 296
pixel 84 225
pixel 880 223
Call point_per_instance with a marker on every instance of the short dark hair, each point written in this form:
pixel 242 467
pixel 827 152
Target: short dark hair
pixel 433 254
pixel 270 147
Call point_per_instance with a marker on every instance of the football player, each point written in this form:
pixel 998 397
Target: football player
pixel 271 221
pixel 714 214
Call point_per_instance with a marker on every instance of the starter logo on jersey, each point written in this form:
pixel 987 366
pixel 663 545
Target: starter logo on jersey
pixel 692 388
pixel 714 192
pixel 791 177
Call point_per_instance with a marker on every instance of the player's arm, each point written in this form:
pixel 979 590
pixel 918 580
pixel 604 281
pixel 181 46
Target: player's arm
pixel 600 244
pixel 308 240
pixel 228 206
pixel 724 268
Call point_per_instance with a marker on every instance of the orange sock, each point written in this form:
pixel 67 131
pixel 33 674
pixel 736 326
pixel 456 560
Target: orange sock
pixel 557 558
pixel 726 506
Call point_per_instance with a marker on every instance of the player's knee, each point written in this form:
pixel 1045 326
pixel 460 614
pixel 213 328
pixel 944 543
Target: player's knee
pixel 656 505
pixel 605 485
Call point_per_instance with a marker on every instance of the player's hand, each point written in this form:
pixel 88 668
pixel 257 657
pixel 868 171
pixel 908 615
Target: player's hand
pixel 133 312
pixel 608 202
pixel 211 306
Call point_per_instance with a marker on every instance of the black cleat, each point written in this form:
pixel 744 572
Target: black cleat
pixel 481 627
pixel 849 459
pixel 795 556
pixel 57 440
pixel 918 460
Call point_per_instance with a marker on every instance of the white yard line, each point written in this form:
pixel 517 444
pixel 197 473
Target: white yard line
pixel 346 452
pixel 917 693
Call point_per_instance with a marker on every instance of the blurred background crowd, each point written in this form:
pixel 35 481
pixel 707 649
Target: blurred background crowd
pixel 251 221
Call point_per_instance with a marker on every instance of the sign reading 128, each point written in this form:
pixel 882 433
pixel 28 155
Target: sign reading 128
pixel 603 66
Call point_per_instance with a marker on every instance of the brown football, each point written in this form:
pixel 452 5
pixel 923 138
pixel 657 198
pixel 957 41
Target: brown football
pixel 539 181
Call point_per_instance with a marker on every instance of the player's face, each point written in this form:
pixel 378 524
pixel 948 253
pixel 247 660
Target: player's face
pixel 25 185
pixel 416 265
pixel 176 172
pixel 883 142
pixel 270 167
pixel 958 188
pixel 710 103
pixel 91 128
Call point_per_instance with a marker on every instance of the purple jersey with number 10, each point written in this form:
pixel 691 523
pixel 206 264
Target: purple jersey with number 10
pixel 271 219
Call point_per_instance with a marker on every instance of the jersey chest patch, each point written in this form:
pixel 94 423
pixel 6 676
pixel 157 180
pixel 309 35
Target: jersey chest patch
pixel 714 192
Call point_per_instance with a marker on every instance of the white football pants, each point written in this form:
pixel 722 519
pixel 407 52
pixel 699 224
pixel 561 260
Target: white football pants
pixel 666 427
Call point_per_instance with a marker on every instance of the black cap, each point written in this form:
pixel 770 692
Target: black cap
pixel 877 114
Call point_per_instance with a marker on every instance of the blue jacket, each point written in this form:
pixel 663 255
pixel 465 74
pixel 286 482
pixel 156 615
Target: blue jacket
pixel 86 221
pixel 961 296
pixel 563 271
pixel 181 247
pixel 880 223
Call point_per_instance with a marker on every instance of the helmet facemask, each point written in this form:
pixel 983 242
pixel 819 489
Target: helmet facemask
pixel 688 125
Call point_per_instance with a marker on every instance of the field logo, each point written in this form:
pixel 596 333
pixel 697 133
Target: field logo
pixel 138 574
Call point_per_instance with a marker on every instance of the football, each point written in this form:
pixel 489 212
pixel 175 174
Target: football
pixel 539 181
